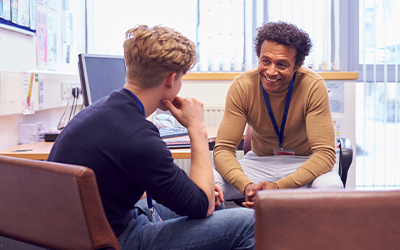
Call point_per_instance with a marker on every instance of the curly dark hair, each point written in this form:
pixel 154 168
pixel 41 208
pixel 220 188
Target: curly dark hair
pixel 287 34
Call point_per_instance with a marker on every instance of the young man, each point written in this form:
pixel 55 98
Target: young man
pixel 287 107
pixel 113 137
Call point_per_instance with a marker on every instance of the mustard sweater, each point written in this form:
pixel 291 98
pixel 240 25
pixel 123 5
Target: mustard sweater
pixel 309 128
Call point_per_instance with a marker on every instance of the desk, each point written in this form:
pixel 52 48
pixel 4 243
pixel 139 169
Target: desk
pixel 41 151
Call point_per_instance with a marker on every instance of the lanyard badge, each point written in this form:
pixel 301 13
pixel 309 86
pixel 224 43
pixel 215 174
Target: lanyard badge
pixel 280 150
pixel 154 217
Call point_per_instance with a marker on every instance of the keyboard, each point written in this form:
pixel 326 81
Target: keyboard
pixel 172 132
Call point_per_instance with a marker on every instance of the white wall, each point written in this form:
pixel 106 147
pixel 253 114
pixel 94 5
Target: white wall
pixel 18 54
pixel 208 92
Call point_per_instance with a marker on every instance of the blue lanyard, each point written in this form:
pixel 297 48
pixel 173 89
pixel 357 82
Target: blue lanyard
pixel 285 113
pixel 138 102
pixel 149 199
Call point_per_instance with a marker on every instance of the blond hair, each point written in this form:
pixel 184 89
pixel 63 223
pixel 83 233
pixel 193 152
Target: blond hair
pixel 151 54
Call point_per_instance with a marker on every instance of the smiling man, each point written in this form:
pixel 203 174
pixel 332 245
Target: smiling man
pixel 287 107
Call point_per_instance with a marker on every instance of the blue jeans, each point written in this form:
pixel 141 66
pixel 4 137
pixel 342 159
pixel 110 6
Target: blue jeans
pixel 225 229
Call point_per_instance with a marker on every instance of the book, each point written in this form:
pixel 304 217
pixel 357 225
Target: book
pixel 179 142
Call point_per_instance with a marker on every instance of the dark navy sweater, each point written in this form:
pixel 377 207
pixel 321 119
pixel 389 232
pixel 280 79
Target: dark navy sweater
pixel 125 151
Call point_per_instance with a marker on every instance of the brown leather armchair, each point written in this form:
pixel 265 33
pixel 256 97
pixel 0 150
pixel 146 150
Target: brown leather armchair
pixel 47 205
pixel 315 219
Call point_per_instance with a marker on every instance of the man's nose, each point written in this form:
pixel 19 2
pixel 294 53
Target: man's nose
pixel 271 70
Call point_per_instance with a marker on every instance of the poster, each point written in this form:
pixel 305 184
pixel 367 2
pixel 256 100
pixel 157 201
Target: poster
pixel 71 28
pixel 336 96
pixel 67 28
pixel 41 39
pixel 66 53
pixel 52 41
pixel 27 97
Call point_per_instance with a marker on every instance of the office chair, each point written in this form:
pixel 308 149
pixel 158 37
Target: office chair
pixel 48 205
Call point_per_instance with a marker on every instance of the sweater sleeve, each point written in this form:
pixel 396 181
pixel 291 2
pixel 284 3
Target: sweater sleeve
pixel 229 134
pixel 321 137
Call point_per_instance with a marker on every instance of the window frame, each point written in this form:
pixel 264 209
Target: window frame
pixel 353 55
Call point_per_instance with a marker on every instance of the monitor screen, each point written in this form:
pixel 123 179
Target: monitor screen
pixel 100 75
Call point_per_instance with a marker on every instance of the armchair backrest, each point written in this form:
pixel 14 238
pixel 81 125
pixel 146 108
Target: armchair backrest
pixel 314 219
pixel 52 205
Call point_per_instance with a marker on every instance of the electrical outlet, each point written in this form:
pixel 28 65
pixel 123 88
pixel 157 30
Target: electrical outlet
pixel 65 90
pixel 76 84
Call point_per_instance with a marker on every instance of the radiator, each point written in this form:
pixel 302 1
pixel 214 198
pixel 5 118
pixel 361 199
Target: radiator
pixel 212 118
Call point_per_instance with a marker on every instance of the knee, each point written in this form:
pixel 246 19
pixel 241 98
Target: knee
pixel 330 180
pixel 242 215
pixel 217 176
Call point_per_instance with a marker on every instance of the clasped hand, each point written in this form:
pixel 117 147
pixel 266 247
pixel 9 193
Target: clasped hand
pixel 219 196
pixel 251 190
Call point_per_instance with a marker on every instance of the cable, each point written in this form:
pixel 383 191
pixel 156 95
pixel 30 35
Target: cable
pixel 58 125
pixel 77 91
pixel 73 103
pixel 75 94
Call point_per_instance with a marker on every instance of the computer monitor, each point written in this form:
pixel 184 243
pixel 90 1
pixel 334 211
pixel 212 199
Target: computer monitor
pixel 100 75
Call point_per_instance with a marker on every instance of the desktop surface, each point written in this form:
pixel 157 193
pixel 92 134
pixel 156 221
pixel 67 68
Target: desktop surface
pixel 41 151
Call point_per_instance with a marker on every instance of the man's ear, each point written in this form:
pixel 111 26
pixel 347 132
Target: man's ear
pixel 170 79
pixel 297 67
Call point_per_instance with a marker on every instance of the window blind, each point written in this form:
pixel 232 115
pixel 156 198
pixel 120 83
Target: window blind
pixel 378 119
pixel 314 17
